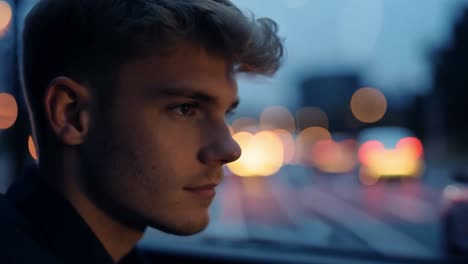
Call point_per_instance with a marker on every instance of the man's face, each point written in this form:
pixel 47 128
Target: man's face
pixel 155 155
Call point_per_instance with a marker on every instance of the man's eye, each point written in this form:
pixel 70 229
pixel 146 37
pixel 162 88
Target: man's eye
pixel 230 113
pixel 185 109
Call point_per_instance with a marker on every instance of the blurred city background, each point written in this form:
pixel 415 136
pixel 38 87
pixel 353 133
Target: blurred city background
pixel 357 145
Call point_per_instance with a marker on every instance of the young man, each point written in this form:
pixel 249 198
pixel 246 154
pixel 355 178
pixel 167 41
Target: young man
pixel 128 100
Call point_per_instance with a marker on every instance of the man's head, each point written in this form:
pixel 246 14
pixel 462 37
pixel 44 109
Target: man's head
pixel 132 96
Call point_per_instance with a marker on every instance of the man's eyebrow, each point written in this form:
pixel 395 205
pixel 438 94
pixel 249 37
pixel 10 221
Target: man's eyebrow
pixel 187 92
pixel 193 93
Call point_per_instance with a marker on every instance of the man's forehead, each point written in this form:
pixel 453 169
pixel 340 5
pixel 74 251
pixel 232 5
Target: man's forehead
pixel 193 70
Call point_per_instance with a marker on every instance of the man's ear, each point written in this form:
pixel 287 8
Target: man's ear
pixel 67 110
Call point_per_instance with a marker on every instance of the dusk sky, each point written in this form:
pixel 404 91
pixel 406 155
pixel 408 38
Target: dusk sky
pixel 388 41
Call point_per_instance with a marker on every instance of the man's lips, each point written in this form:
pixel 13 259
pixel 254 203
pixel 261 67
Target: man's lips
pixel 206 191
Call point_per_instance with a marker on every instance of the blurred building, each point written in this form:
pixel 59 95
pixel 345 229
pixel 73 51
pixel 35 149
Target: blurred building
pixel 331 93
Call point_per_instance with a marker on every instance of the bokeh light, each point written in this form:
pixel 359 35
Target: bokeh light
pixel 262 154
pixel 334 157
pixel 245 124
pixel 368 149
pixel 277 117
pixel 288 145
pixel 411 146
pixel 306 140
pixel 402 161
pixel 32 147
pixel 310 117
pixel 5 17
pixel 8 110
pixel 368 105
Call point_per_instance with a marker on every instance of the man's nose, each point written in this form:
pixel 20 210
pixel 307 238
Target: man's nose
pixel 221 147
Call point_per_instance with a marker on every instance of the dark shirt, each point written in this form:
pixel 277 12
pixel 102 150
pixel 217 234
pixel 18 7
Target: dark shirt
pixel 38 225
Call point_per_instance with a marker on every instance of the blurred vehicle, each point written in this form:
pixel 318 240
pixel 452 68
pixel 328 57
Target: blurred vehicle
pixel 389 153
pixel 455 218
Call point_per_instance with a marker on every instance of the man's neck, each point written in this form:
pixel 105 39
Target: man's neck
pixel 117 238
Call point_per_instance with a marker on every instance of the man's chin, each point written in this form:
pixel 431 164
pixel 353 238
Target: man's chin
pixel 181 231
pixel 186 228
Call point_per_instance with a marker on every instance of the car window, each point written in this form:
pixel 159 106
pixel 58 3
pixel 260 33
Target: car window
pixel 349 149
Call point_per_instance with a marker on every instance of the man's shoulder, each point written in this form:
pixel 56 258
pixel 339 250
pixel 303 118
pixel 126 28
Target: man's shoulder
pixel 9 215
pixel 16 242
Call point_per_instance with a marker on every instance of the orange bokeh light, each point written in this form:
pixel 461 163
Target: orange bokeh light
pixel 305 142
pixel 368 105
pixel 367 149
pixel 6 15
pixel 8 110
pixel 288 144
pixel 334 157
pixel 32 148
pixel 262 154
pixel 412 145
